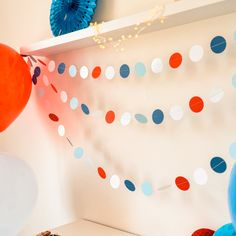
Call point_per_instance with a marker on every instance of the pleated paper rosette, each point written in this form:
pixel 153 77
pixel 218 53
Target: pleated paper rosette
pixel 67 16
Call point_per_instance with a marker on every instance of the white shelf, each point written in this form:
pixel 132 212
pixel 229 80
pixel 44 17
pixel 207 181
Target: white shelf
pixel 178 13
pixel 86 228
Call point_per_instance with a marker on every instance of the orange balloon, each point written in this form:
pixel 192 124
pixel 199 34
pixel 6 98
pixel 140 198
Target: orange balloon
pixel 15 85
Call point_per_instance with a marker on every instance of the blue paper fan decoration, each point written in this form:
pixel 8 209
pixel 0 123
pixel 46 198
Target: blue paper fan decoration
pixel 71 15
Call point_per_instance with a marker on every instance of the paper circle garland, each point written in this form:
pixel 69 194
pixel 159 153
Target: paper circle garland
pixel 84 72
pixel 157 65
pixel 200 176
pixel 140 69
pixel 147 189
pixel 130 185
pixel 176 112
pixel 110 72
pixel 51 66
pixel 115 181
pixel 203 232
pixel 96 72
pixel 124 71
pixel 175 60
pixel 110 117
pixel 182 183
pixel 218 165
pixel 74 103
pixel 72 71
pixel 61 68
pixel 216 95
pixel 102 173
pixel 196 104
pixel 71 15
pixel 78 152
pixel 196 53
pixel 61 130
pixel 141 118
pixel 218 44
pixel 158 116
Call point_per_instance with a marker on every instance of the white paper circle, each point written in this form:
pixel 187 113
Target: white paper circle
pixel 45 80
pixel 200 176
pixel 110 72
pixel 176 113
pixel 115 182
pixel 157 65
pixel 217 95
pixel 63 96
pixel 51 66
pixel 126 119
pixel 84 72
pixel 196 53
pixel 61 130
pixel 72 71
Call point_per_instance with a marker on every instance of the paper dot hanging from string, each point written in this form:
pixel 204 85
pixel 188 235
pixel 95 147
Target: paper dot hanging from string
pixel 46 81
pixel 101 172
pixel 140 69
pixel 126 119
pixel 115 181
pixel 130 185
pixel 176 112
pixel 200 176
pixel 234 81
pixel 85 109
pixel 78 152
pixel 147 189
pixel 72 71
pixel 110 72
pixel 216 95
pixel 63 96
pixel 218 165
pixel 61 130
pixel 218 44
pixel 196 53
pixel 204 232
pixel 51 66
pixel 96 72
pixel 232 150
pixel 175 60
pixel 53 117
pixel 182 183
pixel 84 72
pixel 141 118
pixel 110 117
pixel 196 104
pixel 157 65
pixel 61 68
pixel 74 103
pixel 37 71
pixel 124 71
pixel 158 116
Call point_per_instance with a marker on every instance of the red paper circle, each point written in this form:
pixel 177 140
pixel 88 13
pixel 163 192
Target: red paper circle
pixel 175 60
pixel 182 183
pixel 96 72
pixel 196 104
pixel 110 117
pixel 102 173
pixel 203 232
pixel 53 117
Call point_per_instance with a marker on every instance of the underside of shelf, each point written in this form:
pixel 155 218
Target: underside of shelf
pixel 178 13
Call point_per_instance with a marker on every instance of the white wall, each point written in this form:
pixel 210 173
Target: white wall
pixel 33 139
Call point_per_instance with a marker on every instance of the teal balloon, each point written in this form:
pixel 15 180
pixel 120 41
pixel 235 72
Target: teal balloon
pixel 232 196
pixel 226 230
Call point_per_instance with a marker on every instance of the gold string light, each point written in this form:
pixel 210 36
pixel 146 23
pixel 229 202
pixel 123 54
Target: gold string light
pixel 157 13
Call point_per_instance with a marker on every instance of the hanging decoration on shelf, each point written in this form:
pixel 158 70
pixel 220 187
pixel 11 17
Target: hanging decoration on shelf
pixel 157 13
pixel 67 16
pixel 195 104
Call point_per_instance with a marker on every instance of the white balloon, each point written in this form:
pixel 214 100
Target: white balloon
pixel 18 194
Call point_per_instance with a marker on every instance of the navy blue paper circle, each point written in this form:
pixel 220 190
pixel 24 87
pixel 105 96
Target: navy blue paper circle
pixel 218 165
pixel 124 71
pixel 61 68
pixel 218 44
pixel 129 185
pixel 158 116
pixel 71 15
